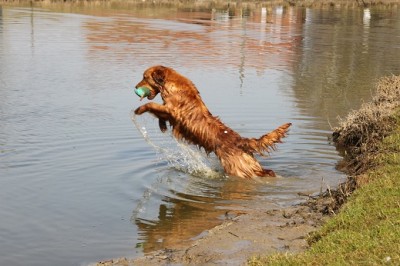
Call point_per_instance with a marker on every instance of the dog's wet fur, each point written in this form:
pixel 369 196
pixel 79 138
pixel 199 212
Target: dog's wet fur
pixel 191 121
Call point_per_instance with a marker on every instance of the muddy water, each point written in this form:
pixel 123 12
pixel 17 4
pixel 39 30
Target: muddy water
pixel 78 180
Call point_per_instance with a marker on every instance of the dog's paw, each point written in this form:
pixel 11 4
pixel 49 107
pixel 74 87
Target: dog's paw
pixel 140 110
pixel 163 125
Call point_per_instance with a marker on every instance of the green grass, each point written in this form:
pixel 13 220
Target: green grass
pixel 367 229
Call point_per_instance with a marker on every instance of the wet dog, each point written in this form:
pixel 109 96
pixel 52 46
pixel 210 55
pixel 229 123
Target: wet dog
pixel 191 121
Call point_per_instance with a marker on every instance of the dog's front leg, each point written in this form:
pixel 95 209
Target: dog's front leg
pixel 160 111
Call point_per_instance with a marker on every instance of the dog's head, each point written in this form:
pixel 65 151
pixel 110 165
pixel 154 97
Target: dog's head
pixel 154 80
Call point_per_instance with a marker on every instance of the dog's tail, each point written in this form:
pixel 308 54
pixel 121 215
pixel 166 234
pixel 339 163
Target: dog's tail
pixel 265 143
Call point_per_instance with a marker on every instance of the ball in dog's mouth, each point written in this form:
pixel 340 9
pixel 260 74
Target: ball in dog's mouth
pixel 142 92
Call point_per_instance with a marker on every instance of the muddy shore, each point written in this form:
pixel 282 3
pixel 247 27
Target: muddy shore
pixel 251 233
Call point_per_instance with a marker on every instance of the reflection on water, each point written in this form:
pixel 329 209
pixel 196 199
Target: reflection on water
pixel 202 39
pixel 78 181
pixel 182 216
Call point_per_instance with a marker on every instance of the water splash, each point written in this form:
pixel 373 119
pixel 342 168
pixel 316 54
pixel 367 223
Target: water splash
pixel 179 155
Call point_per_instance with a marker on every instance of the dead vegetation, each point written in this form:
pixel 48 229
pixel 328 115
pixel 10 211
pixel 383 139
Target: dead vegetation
pixel 362 131
pixel 359 136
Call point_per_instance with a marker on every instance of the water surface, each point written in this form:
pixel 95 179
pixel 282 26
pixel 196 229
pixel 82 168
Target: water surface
pixel 78 181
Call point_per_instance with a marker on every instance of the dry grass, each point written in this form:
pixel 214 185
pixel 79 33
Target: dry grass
pixel 360 136
pixel 361 132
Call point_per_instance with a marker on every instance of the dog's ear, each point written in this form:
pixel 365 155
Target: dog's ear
pixel 158 75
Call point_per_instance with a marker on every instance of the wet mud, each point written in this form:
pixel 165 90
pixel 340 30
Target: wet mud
pixel 251 233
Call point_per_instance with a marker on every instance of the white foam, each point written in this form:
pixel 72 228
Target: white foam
pixel 179 155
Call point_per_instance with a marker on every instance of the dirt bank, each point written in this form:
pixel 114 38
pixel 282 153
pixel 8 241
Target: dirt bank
pixel 257 232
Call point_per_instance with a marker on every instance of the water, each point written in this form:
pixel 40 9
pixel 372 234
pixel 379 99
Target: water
pixel 78 180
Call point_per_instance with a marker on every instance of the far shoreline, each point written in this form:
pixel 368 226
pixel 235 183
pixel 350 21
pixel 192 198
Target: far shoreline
pixel 115 4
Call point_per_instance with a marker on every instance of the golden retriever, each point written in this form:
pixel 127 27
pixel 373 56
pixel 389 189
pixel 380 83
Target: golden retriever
pixel 191 121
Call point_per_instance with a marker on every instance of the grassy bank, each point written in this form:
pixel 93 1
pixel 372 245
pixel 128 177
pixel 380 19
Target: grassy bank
pixel 366 231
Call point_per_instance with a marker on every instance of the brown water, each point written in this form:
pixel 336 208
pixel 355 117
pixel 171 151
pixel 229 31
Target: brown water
pixel 78 180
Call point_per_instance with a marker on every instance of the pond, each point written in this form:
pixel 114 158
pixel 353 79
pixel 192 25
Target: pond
pixel 79 182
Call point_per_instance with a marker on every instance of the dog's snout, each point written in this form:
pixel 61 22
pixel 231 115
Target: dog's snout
pixel 141 84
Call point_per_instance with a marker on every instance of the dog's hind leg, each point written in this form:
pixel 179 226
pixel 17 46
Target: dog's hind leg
pixel 238 163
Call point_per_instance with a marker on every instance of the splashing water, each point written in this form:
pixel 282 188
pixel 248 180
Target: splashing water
pixel 179 155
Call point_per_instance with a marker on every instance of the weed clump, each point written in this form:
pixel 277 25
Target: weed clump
pixel 360 136
pixel 362 131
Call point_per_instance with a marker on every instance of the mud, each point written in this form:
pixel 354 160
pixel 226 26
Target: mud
pixel 255 232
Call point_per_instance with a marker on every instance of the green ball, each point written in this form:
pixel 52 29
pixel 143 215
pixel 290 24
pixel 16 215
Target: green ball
pixel 142 92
